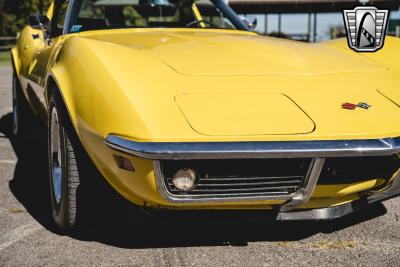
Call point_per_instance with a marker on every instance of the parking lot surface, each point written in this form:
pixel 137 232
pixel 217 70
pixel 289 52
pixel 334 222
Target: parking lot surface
pixel 27 237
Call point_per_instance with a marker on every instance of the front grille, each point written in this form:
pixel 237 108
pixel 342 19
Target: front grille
pixel 358 169
pixel 239 177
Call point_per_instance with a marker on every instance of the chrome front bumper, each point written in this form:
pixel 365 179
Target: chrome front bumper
pixel 317 150
pixel 237 150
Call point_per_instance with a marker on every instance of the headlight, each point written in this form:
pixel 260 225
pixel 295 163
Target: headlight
pixel 185 179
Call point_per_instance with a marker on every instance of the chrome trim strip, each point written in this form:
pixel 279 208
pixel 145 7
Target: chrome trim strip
pixel 305 192
pixel 268 149
pixel 317 214
pixel 162 188
pixel 293 201
pixel 318 150
pixel 391 190
pixel 302 195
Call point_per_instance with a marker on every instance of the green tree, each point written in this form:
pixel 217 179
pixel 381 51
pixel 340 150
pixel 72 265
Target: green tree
pixel 15 14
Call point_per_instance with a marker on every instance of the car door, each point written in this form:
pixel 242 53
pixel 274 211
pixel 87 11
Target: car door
pixel 30 40
pixel 42 59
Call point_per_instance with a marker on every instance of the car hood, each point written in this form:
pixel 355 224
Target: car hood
pixel 224 52
pixel 234 113
pixel 131 81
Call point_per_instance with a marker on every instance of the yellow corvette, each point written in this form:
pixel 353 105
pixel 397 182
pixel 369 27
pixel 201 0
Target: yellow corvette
pixel 180 106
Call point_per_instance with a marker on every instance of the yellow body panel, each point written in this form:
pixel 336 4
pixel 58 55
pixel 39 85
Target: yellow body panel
pixel 274 110
pixel 50 11
pixel 136 82
pixel 326 191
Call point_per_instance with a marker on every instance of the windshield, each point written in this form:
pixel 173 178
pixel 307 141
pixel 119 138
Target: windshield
pixel 113 14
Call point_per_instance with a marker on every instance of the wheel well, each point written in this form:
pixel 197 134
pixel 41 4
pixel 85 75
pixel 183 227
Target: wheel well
pixel 13 62
pixel 15 70
pixel 50 86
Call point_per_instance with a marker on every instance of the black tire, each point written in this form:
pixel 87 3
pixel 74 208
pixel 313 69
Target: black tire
pixel 65 176
pixel 86 198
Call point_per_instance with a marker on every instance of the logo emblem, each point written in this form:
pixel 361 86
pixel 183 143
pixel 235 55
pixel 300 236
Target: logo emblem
pixel 366 28
pixel 363 105
pixel 352 106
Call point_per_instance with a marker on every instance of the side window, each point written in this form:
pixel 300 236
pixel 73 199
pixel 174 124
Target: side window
pixel 212 15
pixel 57 23
pixel 61 15
pixel 110 14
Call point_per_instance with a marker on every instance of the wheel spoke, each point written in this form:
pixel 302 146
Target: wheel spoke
pixel 56 159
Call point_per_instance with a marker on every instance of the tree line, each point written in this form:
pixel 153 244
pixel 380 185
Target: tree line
pixel 14 14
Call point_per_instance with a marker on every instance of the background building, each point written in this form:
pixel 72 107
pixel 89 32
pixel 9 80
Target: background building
pixel 304 20
pixel 308 20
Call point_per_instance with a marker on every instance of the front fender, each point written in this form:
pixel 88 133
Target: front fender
pixel 81 117
pixel 97 106
pixel 16 61
pixel 388 56
pixel 93 95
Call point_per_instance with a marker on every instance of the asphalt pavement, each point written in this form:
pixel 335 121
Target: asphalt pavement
pixel 28 238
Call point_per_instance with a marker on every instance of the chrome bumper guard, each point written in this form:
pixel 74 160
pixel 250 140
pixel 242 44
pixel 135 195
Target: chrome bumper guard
pixel 318 150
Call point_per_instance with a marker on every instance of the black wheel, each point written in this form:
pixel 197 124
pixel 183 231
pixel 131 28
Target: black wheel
pixel 80 196
pixel 64 173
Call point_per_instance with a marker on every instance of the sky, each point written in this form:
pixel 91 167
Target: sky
pixel 297 23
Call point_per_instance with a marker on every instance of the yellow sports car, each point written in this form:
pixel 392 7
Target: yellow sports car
pixel 180 106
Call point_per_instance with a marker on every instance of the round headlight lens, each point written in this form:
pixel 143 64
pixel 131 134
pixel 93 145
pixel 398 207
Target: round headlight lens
pixel 185 179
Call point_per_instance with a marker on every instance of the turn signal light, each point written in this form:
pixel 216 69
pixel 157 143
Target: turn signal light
pixel 124 163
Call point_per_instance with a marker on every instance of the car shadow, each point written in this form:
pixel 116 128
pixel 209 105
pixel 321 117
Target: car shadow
pixel 135 228
pixel 30 182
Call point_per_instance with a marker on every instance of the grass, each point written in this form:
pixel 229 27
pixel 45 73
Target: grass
pixel 5 58
pixel 16 210
pixel 335 244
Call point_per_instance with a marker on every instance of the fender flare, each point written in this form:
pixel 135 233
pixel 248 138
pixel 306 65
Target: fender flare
pixel 15 65
pixel 51 84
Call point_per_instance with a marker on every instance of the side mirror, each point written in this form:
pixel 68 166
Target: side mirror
pixel 39 22
pixel 249 25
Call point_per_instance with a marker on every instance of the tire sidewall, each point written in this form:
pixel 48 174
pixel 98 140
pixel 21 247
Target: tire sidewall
pixel 58 209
